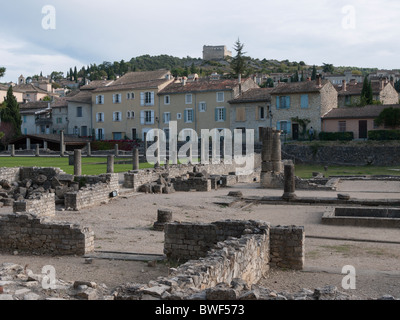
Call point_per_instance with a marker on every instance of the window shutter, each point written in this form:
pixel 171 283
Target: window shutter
pixel 152 98
pixel 186 115
pixel 289 127
pixel 142 98
pixel 142 117
pixel 216 114
pixel 97 99
pixel 287 102
pixel 113 98
pixel 224 114
pixel 97 116
pixel 277 102
pixel 152 117
pixel 114 116
pixel 278 125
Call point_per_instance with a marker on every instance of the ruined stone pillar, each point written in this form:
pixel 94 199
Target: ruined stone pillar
pixel 163 216
pixel 116 151
pixel 78 162
pixel 276 153
pixel 62 147
pixel 28 143
pixel 12 150
pixel 110 164
pixel 157 153
pixel 289 182
pixel 266 153
pixel 135 157
pixel 37 152
pixel 44 144
pixel 89 149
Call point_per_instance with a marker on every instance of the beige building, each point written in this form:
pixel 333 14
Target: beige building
pixel 307 100
pixel 200 103
pixel 129 107
pixel 215 52
pixel 349 94
pixel 3 93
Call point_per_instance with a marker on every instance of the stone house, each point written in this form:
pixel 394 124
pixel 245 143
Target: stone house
pixel 350 93
pixel 200 103
pixel 3 94
pixel 129 106
pixel 358 120
pixel 251 110
pixel 303 100
pixel 36 118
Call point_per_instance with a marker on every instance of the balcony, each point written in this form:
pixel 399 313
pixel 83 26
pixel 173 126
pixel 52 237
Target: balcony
pixel 44 121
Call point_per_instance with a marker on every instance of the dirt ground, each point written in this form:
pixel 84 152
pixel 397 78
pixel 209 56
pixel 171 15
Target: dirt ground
pixel 125 225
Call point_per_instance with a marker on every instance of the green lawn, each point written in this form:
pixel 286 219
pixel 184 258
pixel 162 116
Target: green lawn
pixel 305 171
pixel 90 166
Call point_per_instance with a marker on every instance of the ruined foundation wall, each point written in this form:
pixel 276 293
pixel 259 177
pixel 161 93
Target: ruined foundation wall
pixel 9 174
pixel 44 206
pixel 26 233
pixel 97 190
pixel 287 248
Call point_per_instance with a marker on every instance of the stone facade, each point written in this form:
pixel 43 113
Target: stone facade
pixel 27 233
pixel 215 52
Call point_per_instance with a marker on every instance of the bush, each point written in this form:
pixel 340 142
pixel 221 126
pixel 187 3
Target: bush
pixel 384 135
pixel 334 136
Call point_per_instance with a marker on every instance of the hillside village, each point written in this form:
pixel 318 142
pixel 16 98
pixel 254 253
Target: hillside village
pixel 129 106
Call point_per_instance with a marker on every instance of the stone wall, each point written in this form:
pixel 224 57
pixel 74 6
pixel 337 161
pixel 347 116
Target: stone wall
pixel 31 173
pixel 27 233
pixel 135 179
pixel 97 189
pixel 43 206
pixel 9 174
pixel 287 247
pixel 343 154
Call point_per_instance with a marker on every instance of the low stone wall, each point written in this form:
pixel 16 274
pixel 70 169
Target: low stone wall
pixel 97 190
pixel 287 247
pixel 198 184
pixel 43 206
pixel 9 174
pixel 31 173
pixel 27 233
pixel 135 179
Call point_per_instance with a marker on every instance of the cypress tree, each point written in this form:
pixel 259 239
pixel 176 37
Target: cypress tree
pixel 10 113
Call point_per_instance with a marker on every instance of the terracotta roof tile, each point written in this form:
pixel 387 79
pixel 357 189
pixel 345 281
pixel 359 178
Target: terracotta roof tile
pixel 369 111
pixel 299 87
pixel 254 95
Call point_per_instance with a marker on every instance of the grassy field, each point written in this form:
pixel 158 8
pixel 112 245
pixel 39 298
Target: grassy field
pixel 98 165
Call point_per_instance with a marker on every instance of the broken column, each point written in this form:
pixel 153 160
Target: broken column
pixel 28 143
pixel 12 150
pixel 289 182
pixel 164 216
pixel 77 162
pixel 116 151
pixel 37 152
pixel 62 148
pixel 276 152
pixel 110 164
pixel 135 157
pixel 271 166
pixel 89 150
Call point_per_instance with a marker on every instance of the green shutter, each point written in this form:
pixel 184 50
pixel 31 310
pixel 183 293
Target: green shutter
pixel 278 125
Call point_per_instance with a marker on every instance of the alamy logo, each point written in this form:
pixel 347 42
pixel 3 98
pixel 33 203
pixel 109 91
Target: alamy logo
pixel 232 146
pixel 49 20
pixel 349 20
pixel 349 281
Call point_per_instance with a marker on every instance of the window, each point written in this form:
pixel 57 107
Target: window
pixel 304 101
pixel 220 114
pixel 189 115
pixel 284 126
pixel 59 120
pixel 167 117
pixel 202 106
pixel 84 131
pixel 347 100
pixel 130 96
pixel 179 116
pixel 147 98
pixel 261 113
pixel 134 133
pixel 100 117
pixel 167 100
pixel 117 116
pixel 100 99
pixel 342 126
pixel 283 102
pixel 117 98
pixel 117 135
pixel 220 97
pixel 79 112
pixel 100 134
pixel 148 117
pixel 188 99
pixel 240 114
pixel 132 114
pixel 128 115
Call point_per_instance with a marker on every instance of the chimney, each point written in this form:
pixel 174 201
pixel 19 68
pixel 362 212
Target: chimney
pixel 318 80
pixel 382 84
pixel 344 85
pixel 184 80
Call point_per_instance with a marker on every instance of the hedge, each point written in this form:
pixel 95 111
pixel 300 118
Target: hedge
pixel 384 135
pixel 334 136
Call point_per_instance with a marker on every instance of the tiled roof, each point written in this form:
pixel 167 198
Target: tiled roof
pixel 201 85
pixel 369 111
pixel 82 97
pixel 254 95
pixel 356 88
pixel 130 86
pixel 28 88
pixel 96 84
pixel 134 77
pixel 34 105
pixel 299 87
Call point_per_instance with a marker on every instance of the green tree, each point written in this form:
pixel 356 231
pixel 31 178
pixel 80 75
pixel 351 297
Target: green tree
pixel 2 71
pixel 10 112
pixel 314 73
pixel 47 98
pixel 366 92
pixel 390 117
pixel 71 73
pixel 76 75
pixel 238 63
pixel 328 68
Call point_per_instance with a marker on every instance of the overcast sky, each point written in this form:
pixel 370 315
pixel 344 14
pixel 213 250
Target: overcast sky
pixel 361 33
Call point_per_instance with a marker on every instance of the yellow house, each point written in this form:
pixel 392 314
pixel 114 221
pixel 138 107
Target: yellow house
pixel 129 106
pixel 200 103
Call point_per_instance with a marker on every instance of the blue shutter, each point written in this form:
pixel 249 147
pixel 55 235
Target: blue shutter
pixel 186 115
pixel 289 127
pixel 224 114
pixel 216 114
pixel 277 102
pixel 287 102
pixel 278 125
pixel 304 101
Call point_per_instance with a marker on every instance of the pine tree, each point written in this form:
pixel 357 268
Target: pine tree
pixel 238 63
pixel 2 71
pixel 10 113
pixel 314 73
pixel 76 75
pixel 366 92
